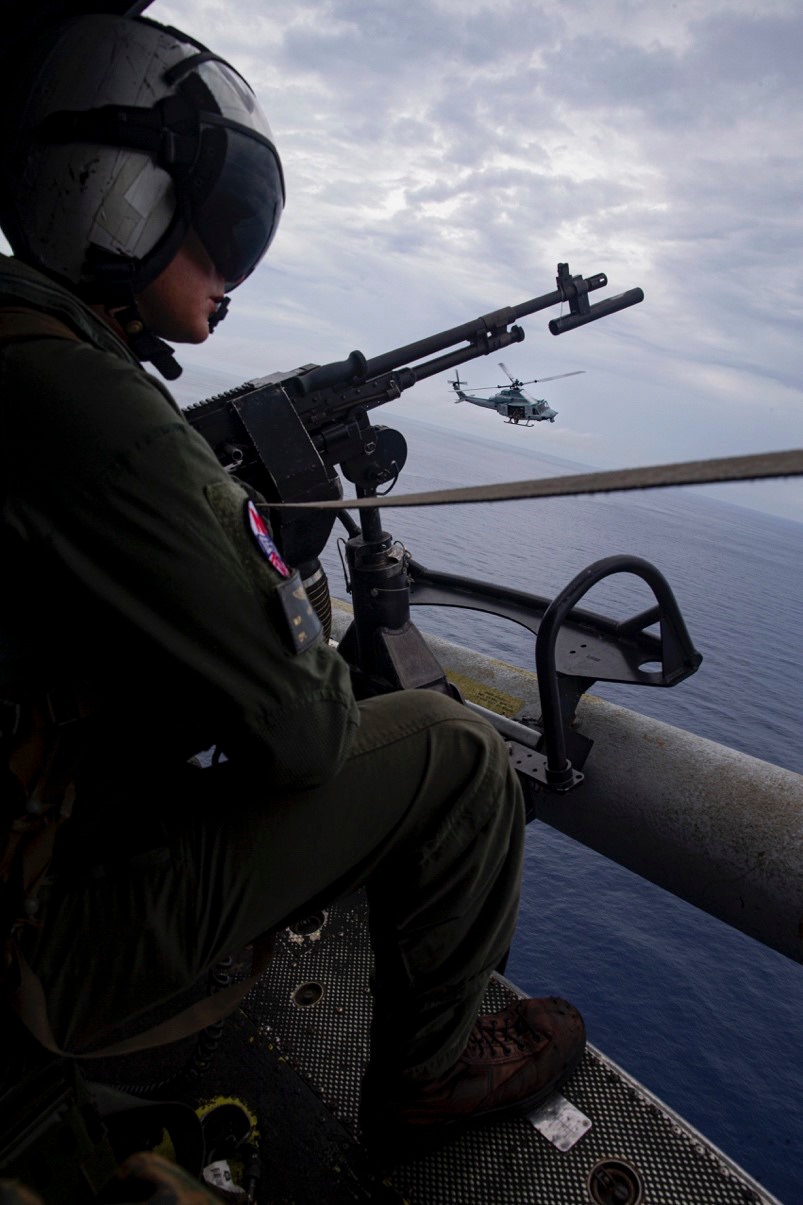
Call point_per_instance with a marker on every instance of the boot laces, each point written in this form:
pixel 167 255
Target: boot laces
pixel 496 1036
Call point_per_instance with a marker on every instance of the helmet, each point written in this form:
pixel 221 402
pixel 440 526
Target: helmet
pixel 130 134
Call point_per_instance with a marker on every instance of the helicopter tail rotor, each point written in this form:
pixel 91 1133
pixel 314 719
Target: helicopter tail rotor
pixel 457 385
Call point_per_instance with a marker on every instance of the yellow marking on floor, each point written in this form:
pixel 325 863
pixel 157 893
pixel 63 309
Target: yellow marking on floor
pixel 485 695
pixel 206 1106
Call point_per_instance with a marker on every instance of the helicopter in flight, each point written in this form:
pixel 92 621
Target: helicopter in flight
pixel 511 401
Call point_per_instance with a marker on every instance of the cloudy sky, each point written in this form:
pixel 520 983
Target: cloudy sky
pixel 442 156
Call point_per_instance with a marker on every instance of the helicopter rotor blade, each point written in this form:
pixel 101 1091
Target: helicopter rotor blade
pixel 507 372
pixel 578 372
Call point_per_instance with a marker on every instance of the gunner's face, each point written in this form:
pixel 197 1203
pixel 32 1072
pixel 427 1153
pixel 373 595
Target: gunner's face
pixel 178 304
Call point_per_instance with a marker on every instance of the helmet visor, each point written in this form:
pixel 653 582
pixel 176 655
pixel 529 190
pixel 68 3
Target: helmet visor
pixel 237 219
pixel 239 192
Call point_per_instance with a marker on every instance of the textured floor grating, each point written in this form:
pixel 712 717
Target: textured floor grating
pixel 314 1004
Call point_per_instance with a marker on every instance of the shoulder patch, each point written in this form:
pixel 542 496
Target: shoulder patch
pixel 264 540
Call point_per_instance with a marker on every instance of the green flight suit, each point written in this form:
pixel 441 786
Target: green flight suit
pixel 130 568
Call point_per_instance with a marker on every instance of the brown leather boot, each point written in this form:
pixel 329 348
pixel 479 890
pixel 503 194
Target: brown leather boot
pixel 513 1061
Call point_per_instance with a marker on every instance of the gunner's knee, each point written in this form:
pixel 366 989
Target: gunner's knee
pixel 468 746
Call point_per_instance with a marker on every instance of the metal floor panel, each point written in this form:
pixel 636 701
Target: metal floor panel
pixel 314 1005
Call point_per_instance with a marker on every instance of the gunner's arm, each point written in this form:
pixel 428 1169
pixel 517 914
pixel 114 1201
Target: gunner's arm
pixel 163 591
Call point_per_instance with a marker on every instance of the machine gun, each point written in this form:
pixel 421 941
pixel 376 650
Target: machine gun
pixel 287 434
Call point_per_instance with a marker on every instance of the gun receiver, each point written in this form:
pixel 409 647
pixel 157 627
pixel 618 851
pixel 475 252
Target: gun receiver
pixel 286 433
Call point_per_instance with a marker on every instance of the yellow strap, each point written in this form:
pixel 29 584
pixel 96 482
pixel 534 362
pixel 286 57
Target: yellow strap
pixel 18 322
pixel 28 1001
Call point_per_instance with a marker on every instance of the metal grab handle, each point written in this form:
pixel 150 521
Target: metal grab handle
pixel 678 655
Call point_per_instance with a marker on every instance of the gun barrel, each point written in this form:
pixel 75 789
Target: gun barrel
pixel 463 354
pixel 611 305
pixel 474 332
pixel 567 292
pixel 469 331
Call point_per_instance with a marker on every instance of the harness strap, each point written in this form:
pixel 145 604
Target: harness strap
pixel 28 1001
pixel 18 322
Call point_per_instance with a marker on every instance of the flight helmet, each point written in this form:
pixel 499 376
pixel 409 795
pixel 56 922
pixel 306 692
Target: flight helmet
pixel 130 134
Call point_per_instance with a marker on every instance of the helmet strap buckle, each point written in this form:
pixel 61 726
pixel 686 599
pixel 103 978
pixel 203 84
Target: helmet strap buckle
pixel 146 346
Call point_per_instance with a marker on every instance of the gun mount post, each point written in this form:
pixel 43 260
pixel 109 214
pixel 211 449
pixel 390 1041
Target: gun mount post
pixel 384 648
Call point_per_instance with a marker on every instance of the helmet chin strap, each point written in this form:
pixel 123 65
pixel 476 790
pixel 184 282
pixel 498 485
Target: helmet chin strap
pixel 146 346
pixel 149 348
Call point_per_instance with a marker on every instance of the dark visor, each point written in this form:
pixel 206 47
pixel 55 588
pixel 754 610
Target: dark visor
pixel 236 222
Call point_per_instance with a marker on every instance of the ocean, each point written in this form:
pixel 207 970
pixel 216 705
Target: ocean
pixel 704 1016
pixel 707 1018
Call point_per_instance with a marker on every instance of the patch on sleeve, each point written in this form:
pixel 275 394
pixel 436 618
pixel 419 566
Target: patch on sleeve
pixel 259 531
pixel 303 625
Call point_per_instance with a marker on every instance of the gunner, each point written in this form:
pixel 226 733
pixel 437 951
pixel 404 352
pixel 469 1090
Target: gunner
pixel 143 621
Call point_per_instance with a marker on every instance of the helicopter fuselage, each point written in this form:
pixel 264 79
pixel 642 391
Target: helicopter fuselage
pixel 513 406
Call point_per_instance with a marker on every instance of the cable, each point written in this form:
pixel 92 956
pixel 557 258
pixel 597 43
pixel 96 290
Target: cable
pixel 758 466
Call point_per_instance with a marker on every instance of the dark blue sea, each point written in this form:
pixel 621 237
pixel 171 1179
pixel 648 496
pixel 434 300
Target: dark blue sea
pixel 707 1018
